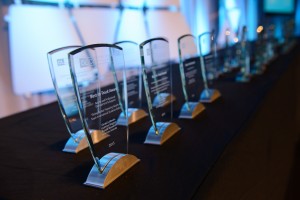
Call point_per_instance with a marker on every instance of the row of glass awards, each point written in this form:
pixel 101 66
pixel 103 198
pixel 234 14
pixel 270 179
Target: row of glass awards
pixel 241 54
pixel 99 90
pixel 266 47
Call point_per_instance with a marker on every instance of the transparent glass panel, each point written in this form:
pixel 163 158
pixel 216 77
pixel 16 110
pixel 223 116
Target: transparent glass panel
pixel 208 57
pixel 61 78
pixel 244 54
pixel 260 48
pixel 134 81
pixel 157 77
pixel 189 67
pixel 104 99
pixel 288 31
pixel 133 72
pixel 230 56
pixel 271 42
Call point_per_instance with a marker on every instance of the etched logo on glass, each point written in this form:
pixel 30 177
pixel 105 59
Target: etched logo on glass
pixel 86 62
pixel 60 62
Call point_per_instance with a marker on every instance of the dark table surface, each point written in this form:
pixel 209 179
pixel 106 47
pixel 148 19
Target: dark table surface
pixel 33 166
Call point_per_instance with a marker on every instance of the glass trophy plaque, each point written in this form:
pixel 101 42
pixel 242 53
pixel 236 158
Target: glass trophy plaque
pixel 100 103
pixel 260 52
pixel 288 35
pixel 244 58
pixel 134 82
pixel 189 68
pixel 271 43
pixel 230 60
pixel 217 69
pixel 61 78
pixel 208 61
pixel 157 78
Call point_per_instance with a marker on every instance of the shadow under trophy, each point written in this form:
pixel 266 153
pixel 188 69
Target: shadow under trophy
pixel 101 102
pixel 157 77
pixel 190 72
pixel 62 82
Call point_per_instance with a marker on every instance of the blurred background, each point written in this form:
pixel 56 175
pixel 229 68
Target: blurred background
pixel 30 29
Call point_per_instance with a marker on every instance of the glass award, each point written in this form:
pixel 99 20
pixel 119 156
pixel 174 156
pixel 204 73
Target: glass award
pixel 101 101
pixel 189 67
pixel 230 60
pixel 62 82
pixel 260 52
pixel 271 43
pixel 157 78
pixel 208 61
pixel 217 69
pixel 244 58
pixel 288 35
pixel 134 83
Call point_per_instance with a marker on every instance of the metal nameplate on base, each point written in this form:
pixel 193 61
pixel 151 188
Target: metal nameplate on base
pixel 79 142
pixel 134 115
pixel 191 109
pixel 115 164
pixel 209 95
pixel 165 131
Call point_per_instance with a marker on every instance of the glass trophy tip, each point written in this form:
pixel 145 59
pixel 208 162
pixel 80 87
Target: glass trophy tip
pixel 166 131
pixel 116 165
pixel 73 146
pixel 191 109
pixel 209 95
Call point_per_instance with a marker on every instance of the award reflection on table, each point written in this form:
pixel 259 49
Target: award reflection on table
pixel 244 58
pixel 101 102
pixel 208 61
pixel 134 83
pixel 189 67
pixel 157 78
pixel 61 78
